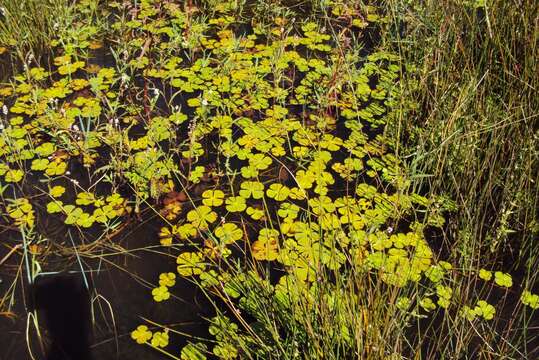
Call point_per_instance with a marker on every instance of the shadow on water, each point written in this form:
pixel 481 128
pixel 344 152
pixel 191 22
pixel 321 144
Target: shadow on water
pixel 63 303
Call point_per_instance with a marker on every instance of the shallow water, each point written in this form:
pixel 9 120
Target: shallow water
pixel 102 318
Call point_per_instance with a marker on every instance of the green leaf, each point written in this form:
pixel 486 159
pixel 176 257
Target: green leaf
pixel 278 192
pixel 485 310
pixel 213 197
pixel 39 164
pixel 235 204
pixel 57 191
pixel 532 300
pixel 252 189
pixel 190 263
pixel 485 274
pixel 502 279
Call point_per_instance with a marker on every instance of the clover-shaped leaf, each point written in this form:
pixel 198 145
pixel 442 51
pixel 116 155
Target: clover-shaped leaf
pixel 278 192
pixel 427 304
pixel 260 161
pixel 249 172
pixel 85 198
pixel 160 293
pixel 167 279
pixel 267 245
pixel 186 231
pixel 252 189
pixel 444 295
pixel 213 197
pixel 201 217
pixel 13 175
pixel 485 274
pixel 255 213
pixel 190 263
pixel 160 339
pixel 57 191
pixel 288 210
pixel 532 300
pixel 85 220
pixel 56 167
pixel 73 214
pixel 228 233
pixel 502 279
pixel 54 207
pixel 39 164
pixel 141 334
pixel 235 204
pixel 468 313
pixel 485 310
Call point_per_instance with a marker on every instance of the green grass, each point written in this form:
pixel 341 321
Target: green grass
pixel 28 26
pixel 474 133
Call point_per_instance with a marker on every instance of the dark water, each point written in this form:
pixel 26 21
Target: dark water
pixel 95 322
pixel 63 303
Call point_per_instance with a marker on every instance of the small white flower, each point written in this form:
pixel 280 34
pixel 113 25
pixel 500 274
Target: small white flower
pixel 4 109
pixel 389 229
pixel 204 102
pixel 75 127
pixel 155 92
pixel 68 172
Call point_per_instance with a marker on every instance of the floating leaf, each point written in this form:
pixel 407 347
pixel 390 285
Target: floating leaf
pixel 485 274
pixel 167 279
pixel 532 300
pixel 213 197
pixel 228 233
pixel 267 245
pixel 160 293
pixel 252 189
pixel 485 310
pixel 235 204
pixel 502 279
pixel 278 192
pixel 201 217
pixel 141 334
pixel 160 339
pixel 57 191
pixel 13 175
pixel 190 263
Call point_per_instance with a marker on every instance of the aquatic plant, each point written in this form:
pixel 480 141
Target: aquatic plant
pixel 271 154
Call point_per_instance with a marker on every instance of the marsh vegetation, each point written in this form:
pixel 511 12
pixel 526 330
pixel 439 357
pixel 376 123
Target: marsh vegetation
pixel 231 179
